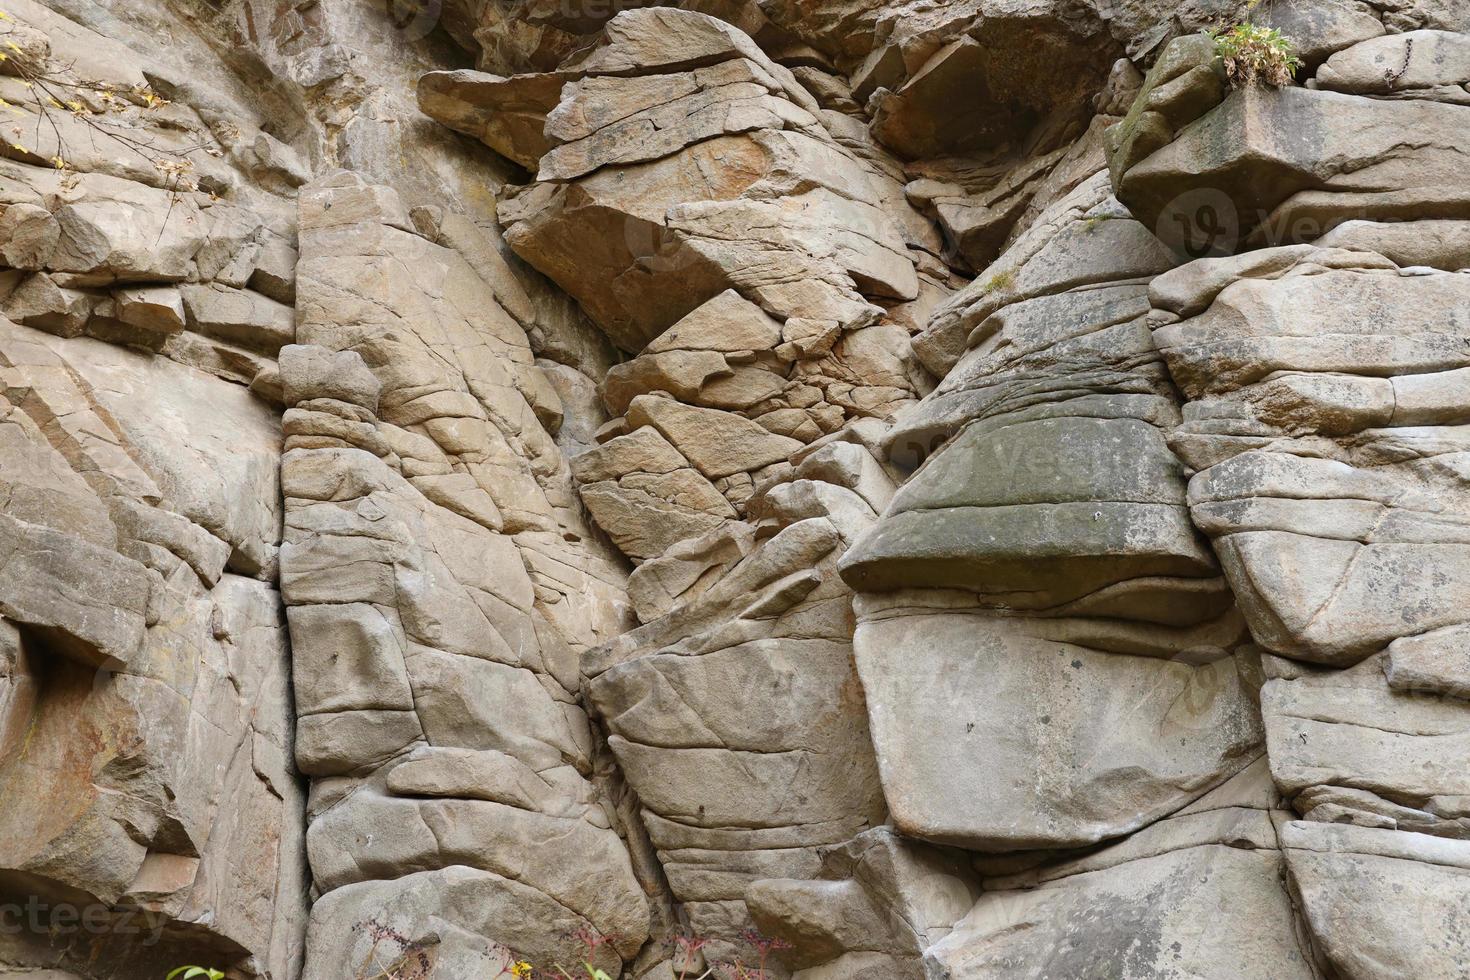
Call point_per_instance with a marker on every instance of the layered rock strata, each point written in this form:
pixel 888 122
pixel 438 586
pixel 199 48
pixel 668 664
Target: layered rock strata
pixel 852 490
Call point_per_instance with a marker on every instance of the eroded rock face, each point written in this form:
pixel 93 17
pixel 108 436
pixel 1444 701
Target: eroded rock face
pixel 436 700
pixel 852 490
pixel 151 813
pixel 1219 857
pixel 738 717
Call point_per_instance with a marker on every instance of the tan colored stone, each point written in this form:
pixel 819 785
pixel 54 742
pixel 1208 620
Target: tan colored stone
pixel 717 443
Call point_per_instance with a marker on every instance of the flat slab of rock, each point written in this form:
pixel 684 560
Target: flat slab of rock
pixel 1058 745
pixel 1035 515
pixel 717 443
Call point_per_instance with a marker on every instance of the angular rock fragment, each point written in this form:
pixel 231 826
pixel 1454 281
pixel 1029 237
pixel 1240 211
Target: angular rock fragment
pixel 1296 161
pixel 717 443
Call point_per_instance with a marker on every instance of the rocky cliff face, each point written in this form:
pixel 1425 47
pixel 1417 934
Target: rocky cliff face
pixel 833 490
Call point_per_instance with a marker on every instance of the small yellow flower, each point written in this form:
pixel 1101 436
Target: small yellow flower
pixel 521 969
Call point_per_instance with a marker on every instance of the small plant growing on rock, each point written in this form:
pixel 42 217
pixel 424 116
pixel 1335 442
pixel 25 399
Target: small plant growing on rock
pixel 687 960
pixel 1001 280
pixel 108 115
pixel 193 972
pixel 763 946
pixel 1254 54
pixel 408 959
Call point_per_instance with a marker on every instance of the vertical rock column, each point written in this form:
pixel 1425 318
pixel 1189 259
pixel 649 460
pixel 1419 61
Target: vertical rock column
pixel 1040 566
pixel 452 799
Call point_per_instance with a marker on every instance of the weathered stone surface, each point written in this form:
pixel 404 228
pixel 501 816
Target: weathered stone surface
pixel 1295 162
pixel 239 315
pixel 152 688
pixel 1084 239
pixel 1183 85
pixel 86 602
pixel 152 815
pixel 411 835
pixel 1379 903
pixel 1415 64
pixel 448 913
pixel 1437 662
pixel 156 309
pixel 1311 587
pixel 1319 28
pixel 1097 503
pixel 645 494
pixel 1061 745
pixel 717 443
pixel 506 114
pixel 39 302
pixel 1440 243
pixel 1136 909
pixel 549 442
pixel 1014 67
pixel 1351 729
pixel 703 87
pixel 425 632
pixel 732 796
pixel 880 901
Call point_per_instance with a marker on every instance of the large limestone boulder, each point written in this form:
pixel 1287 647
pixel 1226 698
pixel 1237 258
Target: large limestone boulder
pixel 1062 744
